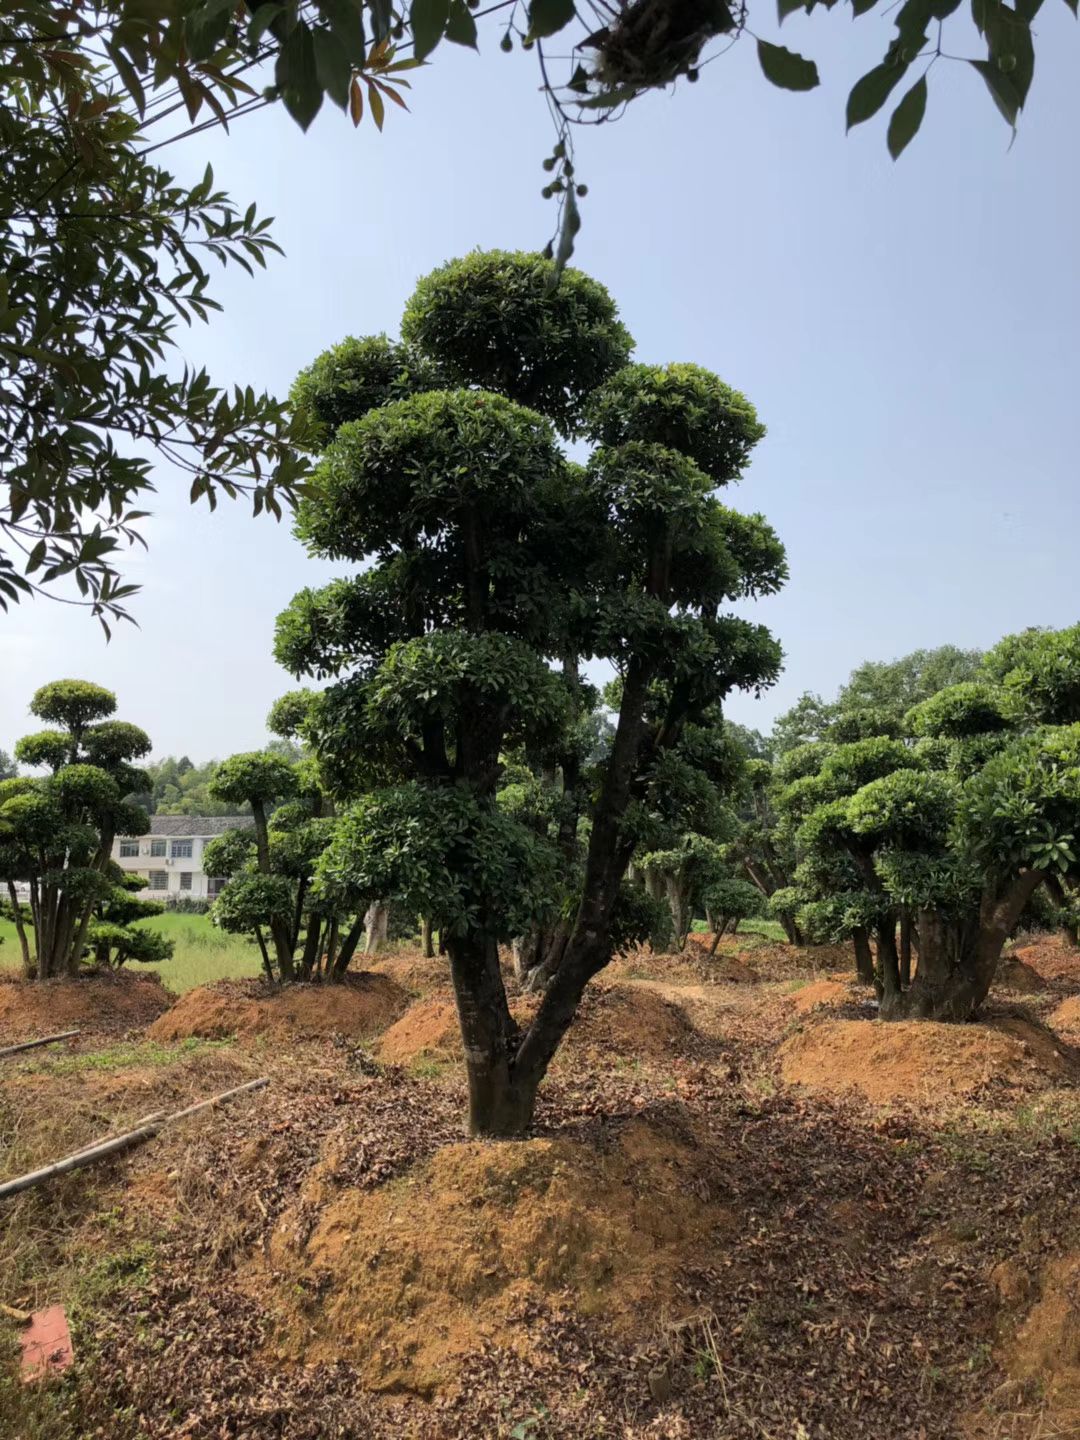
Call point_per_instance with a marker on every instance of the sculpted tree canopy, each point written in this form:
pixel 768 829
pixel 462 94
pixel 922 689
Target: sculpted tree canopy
pixel 494 568
pixel 951 832
pixel 56 834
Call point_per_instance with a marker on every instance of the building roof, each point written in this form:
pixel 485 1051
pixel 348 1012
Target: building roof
pixel 198 824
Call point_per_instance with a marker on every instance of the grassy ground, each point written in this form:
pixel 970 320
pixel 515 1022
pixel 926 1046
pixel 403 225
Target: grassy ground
pixel 771 929
pixel 203 953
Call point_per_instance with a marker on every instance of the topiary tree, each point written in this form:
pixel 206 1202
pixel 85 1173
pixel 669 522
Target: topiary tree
pixel 961 834
pixel 270 867
pixel 487 553
pixel 727 901
pixel 56 832
pixel 115 936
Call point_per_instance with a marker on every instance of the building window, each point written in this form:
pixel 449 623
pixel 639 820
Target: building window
pixel 157 849
pixel 214 886
pixel 182 849
pixel 128 848
pixel 185 879
pixel 159 879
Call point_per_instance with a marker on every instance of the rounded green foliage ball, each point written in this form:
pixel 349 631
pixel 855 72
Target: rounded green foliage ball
pixel 356 376
pixel 72 703
pixel 683 408
pixel 505 321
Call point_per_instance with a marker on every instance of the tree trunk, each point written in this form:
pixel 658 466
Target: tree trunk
pixel 905 948
pixel 20 928
pixel 425 936
pixel 864 957
pixel 679 905
pixel 348 949
pixel 888 962
pixel 310 956
pixel 500 1106
pixel 376 923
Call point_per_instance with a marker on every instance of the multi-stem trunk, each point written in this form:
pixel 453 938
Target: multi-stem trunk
pixel 958 955
pixel 280 928
pixel 864 956
pixel 679 904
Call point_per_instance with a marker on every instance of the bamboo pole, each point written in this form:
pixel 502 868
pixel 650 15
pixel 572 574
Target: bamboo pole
pixel 33 1044
pixel 101 1149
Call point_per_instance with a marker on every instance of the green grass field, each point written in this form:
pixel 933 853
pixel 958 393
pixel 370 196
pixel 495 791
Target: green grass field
pixel 203 953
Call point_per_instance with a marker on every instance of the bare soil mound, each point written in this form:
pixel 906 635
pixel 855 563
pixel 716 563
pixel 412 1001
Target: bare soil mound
pixel 413 972
pixel 628 1021
pixel 921 1060
pixel 1053 956
pixel 1015 974
pixel 1067 1017
pixel 820 992
pixel 363 1005
pixel 402 1281
pixel 102 1004
pixel 428 1030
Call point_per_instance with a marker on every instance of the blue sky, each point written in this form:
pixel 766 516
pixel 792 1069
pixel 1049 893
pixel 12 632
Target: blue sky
pixel 909 334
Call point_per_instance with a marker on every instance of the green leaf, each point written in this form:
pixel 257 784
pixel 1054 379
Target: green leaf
pixel 860 7
pixel 332 67
pixel 298 76
pixel 1011 49
pixel 548 17
pixel 785 68
pixel 906 118
pixel 427 19
pixel 1001 89
pixel 870 92
pixel 347 22
pixel 784 8
pixel 461 27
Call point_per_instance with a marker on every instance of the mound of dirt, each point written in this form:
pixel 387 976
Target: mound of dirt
pixel 819 992
pixel 628 1021
pixel 1053 956
pixel 1015 974
pixel 921 1060
pixel 1067 1016
pixel 365 1004
pixel 402 1281
pixel 413 972
pixel 104 1003
pixel 428 1030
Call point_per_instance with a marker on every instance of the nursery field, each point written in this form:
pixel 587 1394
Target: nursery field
pixel 202 955
pixel 747 1209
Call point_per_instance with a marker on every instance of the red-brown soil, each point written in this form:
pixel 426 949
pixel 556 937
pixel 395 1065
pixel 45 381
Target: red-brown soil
pixel 360 1007
pixel 624 1022
pixel 1052 956
pixel 920 1061
pixel 822 993
pixel 1066 1018
pixel 102 1003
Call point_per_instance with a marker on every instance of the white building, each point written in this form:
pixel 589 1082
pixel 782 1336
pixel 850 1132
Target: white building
pixel 171 856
